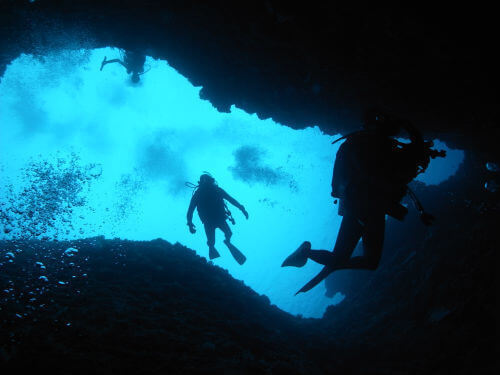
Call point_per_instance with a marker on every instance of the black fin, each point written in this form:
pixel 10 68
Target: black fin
pixel 323 274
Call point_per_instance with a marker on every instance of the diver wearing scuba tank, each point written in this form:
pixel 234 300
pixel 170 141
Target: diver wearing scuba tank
pixel 133 61
pixel 370 177
pixel 209 200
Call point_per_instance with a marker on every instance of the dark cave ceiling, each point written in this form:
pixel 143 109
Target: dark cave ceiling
pixel 321 63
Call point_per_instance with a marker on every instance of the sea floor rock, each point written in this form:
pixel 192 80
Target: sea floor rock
pixel 154 307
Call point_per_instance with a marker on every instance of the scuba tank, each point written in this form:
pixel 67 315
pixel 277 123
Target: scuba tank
pixel 417 154
pixel 206 177
pixel 409 160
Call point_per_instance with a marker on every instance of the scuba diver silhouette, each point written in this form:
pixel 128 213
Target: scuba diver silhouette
pixel 370 177
pixel 133 61
pixel 209 198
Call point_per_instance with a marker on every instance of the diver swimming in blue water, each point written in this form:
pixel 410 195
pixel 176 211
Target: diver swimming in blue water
pixel 370 177
pixel 208 199
pixel 133 61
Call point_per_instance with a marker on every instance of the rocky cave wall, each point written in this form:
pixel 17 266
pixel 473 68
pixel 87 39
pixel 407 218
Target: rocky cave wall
pixel 323 65
pixel 319 64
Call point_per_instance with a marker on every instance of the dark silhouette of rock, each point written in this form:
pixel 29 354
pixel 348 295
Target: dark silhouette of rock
pixel 430 308
pixel 310 64
pixel 108 306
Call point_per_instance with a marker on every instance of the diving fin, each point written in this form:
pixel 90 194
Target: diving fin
pixel 213 253
pixel 237 255
pixel 299 257
pixel 323 274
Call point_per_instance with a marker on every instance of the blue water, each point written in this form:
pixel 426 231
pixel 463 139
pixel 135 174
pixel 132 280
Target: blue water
pixel 86 153
pixel 441 169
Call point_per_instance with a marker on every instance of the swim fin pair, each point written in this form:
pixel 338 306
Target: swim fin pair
pixel 299 258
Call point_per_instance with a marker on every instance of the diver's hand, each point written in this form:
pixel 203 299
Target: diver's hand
pixel 192 228
pixel 244 212
pixel 426 218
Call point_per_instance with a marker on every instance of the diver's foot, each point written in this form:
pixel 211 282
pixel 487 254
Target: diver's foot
pixel 299 256
pixel 213 253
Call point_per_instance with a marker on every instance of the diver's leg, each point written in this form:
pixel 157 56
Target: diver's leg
pixel 348 237
pixel 351 230
pixel 237 254
pixel 321 256
pixel 210 232
pixel 373 243
pixel 224 227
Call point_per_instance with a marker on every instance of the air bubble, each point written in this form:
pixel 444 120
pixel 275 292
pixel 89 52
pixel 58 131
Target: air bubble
pixel 492 167
pixel 491 186
pixel 69 252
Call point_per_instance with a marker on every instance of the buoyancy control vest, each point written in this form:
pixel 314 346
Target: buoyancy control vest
pixel 372 171
pixel 366 175
pixel 210 204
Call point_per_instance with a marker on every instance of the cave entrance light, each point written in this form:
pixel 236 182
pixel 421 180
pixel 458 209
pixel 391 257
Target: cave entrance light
pixel 121 153
pixel 131 148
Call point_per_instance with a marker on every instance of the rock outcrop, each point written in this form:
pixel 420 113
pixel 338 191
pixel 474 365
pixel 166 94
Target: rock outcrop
pixel 155 307
pixel 316 63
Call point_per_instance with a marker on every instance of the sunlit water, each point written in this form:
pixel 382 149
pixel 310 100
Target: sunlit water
pixel 98 155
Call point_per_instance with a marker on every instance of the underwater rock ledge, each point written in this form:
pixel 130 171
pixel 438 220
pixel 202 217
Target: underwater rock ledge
pixel 105 306
pixel 299 64
pixel 108 306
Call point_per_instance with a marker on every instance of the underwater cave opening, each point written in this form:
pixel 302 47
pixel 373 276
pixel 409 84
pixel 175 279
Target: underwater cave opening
pixel 86 152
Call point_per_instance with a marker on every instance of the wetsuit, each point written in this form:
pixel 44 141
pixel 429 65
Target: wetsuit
pixel 363 182
pixel 209 201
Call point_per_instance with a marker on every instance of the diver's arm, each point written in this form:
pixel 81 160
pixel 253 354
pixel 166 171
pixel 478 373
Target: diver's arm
pixel 192 206
pixel 114 61
pixel 105 62
pixel 234 202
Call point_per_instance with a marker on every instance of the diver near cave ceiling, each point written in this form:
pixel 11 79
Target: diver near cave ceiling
pixel 133 61
pixel 208 199
pixel 370 178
